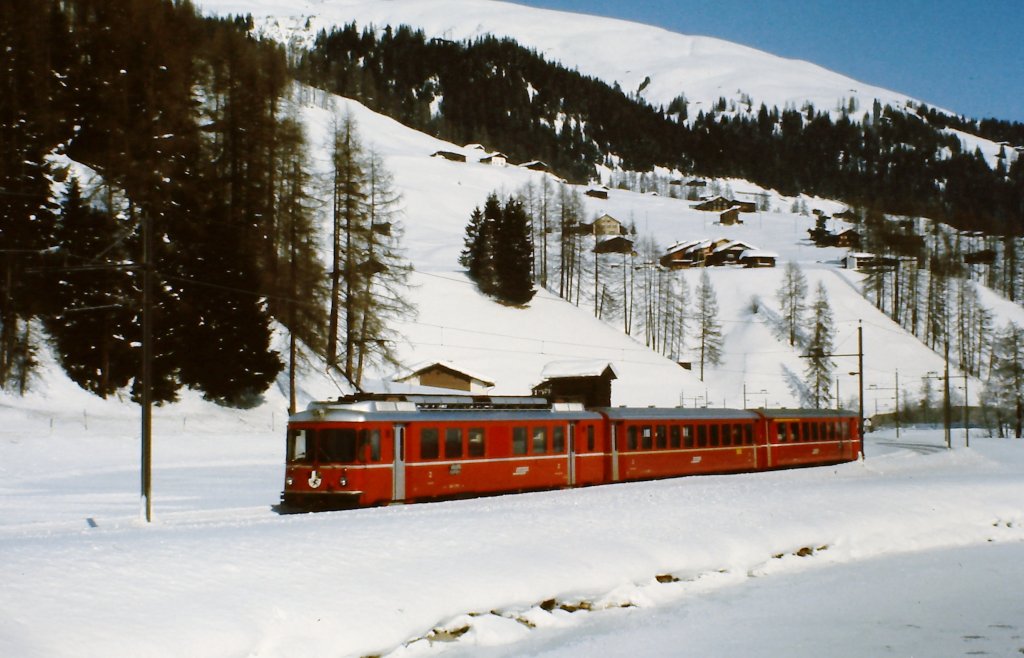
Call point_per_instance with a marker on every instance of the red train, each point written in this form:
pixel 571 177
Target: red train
pixel 375 450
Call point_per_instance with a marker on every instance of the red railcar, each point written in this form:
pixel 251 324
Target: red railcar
pixel 377 450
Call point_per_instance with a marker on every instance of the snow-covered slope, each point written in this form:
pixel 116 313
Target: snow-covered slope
pixel 615 51
pixel 456 323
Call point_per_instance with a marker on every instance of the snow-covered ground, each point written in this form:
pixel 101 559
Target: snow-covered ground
pixel 914 551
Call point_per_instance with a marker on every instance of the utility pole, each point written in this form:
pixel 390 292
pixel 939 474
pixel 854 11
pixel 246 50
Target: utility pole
pixel 897 403
pixel 860 377
pixel 147 366
pixel 947 411
pixel 967 406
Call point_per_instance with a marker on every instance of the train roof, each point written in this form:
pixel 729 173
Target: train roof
pixel 409 408
pixel 449 408
pixel 801 414
pixel 676 413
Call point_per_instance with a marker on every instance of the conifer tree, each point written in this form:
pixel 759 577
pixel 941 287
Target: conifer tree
pixel 92 306
pixel 30 94
pixel 710 337
pixel 792 296
pixel 383 273
pixel 819 346
pixel 1006 382
pixel 347 220
pixel 498 250
pixel 514 255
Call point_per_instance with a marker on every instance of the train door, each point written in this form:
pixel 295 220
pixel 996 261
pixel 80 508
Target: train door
pixel 398 486
pixel 572 454
pixel 615 430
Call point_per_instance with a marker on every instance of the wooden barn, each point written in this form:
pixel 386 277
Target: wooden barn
pixel 589 382
pixel 758 258
pixel 449 155
pixel 444 374
pixel 718 204
pixel 730 217
pixel 607 225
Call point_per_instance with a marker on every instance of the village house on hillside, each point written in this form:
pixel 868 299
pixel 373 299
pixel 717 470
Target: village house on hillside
pixel 730 217
pixel 721 204
pixel 616 245
pixel 718 204
pixel 444 374
pixel 607 225
pixel 597 192
pixel 536 165
pixel 449 155
pixel 758 258
pixel 716 252
pixel 728 253
pixel 497 159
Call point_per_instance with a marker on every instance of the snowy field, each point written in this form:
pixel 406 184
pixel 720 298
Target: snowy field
pixel 915 551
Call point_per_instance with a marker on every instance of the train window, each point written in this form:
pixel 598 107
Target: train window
pixel 476 442
pixel 661 437
pixel 369 438
pixel 590 438
pixel 429 446
pixel 645 438
pixel 540 440
pixel 558 439
pixel 673 436
pixel 297 451
pixel 737 435
pixel 453 442
pixel 518 440
pixel 748 434
pixel 633 444
pixel 688 436
pixel 781 429
pixel 726 435
pixel 814 432
pixel 702 436
pixel 714 436
pixel 336 445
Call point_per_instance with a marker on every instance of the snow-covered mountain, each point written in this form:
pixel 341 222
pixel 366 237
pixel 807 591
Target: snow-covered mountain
pixel 664 64
pixel 458 325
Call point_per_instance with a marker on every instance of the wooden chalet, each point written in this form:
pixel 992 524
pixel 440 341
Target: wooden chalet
pixel 616 245
pixel 718 204
pixel 536 165
pixel 444 374
pixel 589 382
pixel 597 192
pixel 730 217
pixel 696 182
pixel 848 238
pixel 745 206
pixel 728 253
pixel 607 225
pixel 679 255
pixel 758 258
pixel 449 155
pixel 497 159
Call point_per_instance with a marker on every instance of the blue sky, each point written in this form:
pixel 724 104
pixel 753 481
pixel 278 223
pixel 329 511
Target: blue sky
pixel 964 56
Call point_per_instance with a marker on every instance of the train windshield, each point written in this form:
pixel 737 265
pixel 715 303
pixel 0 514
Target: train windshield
pixel 297 446
pixel 335 445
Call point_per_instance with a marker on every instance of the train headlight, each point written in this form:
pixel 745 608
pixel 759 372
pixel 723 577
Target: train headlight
pixel 289 482
pixel 314 480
